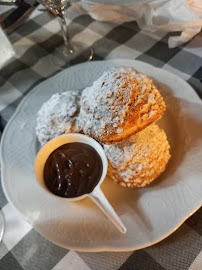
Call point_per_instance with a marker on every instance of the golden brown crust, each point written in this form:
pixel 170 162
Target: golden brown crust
pixel 139 160
pixel 120 103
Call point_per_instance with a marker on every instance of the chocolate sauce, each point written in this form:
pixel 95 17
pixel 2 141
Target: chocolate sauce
pixel 72 170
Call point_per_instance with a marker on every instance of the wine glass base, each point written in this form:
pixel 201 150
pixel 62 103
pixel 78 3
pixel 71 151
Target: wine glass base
pixel 78 53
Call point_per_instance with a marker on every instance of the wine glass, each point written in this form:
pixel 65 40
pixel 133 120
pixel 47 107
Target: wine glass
pixel 69 52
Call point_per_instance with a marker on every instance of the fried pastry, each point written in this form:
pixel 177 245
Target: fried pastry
pixel 119 104
pixel 58 116
pixel 138 160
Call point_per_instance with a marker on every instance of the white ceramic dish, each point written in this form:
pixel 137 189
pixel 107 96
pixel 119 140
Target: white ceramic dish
pixel 149 214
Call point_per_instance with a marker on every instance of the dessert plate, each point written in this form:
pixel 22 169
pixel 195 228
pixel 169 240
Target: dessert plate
pixel 150 214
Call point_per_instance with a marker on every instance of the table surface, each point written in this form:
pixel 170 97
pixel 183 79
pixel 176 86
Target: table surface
pixel 22 247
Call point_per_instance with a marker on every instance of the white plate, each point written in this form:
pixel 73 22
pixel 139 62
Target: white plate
pixel 150 214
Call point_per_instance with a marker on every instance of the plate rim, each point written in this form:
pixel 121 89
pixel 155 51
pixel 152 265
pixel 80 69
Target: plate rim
pixel 89 249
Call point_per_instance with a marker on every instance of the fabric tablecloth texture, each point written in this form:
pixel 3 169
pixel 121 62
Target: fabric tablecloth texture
pixel 22 247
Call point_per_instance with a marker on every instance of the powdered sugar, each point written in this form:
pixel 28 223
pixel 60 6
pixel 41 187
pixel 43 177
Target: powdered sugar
pixel 135 158
pixel 58 116
pixel 106 104
pixel 103 108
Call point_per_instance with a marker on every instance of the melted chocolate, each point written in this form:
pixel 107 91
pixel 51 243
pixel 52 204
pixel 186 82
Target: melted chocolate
pixel 72 170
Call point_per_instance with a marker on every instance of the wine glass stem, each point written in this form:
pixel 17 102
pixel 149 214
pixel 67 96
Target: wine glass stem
pixel 65 34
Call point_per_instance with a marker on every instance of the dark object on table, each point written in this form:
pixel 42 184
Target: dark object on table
pixel 19 15
pixel 10 2
pixel 1 126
